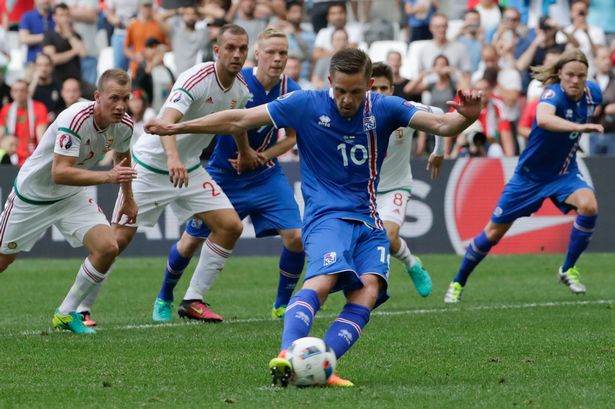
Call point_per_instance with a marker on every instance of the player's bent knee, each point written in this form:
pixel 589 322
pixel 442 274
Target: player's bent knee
pixel 107 250
pixel 188 245
pixel 588 209
pixel 294 243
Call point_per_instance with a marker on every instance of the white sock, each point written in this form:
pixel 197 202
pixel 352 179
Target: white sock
pixel 404 255
pixel 211 262
pixel 87 279
pixel 90 299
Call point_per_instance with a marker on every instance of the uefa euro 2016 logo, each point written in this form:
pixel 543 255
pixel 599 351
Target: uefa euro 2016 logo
pixel 66 141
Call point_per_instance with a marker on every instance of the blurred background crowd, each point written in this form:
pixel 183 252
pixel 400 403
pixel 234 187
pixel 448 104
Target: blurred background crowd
pixel 52 52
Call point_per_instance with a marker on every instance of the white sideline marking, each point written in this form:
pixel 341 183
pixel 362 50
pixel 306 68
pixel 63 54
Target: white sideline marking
pixel 456 308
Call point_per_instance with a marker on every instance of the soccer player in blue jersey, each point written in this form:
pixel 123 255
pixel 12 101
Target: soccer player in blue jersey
pixel 342 136
pixel 547 169
pixel 264 194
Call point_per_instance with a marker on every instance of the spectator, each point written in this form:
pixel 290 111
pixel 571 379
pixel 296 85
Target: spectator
pixel 300 42
pixel 64 45
pixel 525 122
pixel 534 55
pixel 44 88
pixel 399 82
pixel 70 93
pixel 155 78
pixel 140 111
pixel 440 81
pixel 471 36
pixel 455 52
pixel 139 30
pixel 604 144
pixel 247 19
pixel 320 76
pixel 512 33
pixel 293 70
pixel 320 12
pixel 213 9
pixel 24 118
pixel 418 14
pixel 588 37
pixel 187 41
pixel 11 12
pixel 337 19
pixel 213 28
pixel 8 150
pixel 119 13
pixel 84 15
pixel 32 27
pixel 490 15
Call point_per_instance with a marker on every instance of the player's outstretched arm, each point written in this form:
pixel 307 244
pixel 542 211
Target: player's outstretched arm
pixel 129 205
pixel 64 172
pixel 547 119
pixel 232 121
pixel 467 111
pixel 283 146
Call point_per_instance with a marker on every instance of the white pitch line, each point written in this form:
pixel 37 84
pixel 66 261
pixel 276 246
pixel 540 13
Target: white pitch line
pixel 448 309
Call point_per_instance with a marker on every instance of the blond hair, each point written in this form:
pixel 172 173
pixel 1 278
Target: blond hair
pixel 549 74
pixel 118 76
pixel 268 33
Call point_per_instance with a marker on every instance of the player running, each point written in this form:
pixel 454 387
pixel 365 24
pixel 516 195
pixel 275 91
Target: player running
pixel 547 169
pixel 166 165
pixel 394 187
pixel 50 190
pixel 264 194
pixel 342 136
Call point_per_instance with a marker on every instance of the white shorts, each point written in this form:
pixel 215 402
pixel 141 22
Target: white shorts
pixel 23 224
pixel 153 192
pixel 392 206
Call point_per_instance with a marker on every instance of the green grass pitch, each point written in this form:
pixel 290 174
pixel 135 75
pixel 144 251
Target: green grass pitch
pixel 518 340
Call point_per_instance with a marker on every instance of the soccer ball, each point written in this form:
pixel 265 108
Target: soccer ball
pixel 312 361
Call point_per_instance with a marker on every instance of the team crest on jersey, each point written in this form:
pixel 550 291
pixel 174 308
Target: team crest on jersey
pixel 369 123
pixel 108 143
pixel 325 121
pixel 569 114
pixel 176 97
pixel 329 258
pixel 66 141
pixel 548 94
pixel 209 100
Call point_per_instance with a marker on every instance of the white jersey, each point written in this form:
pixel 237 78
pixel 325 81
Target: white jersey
pixel 73 133
pixel 196 93
pixel 395 173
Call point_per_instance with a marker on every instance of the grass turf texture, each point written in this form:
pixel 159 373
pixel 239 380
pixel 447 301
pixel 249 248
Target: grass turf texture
pixel 518 339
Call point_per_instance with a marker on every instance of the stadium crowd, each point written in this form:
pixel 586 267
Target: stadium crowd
pixel 52 52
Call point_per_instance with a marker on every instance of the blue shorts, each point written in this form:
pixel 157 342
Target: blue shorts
pixel 267 198
pixel 522 197
pixel 349 248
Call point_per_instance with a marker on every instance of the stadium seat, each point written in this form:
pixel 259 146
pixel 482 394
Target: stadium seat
pixel 105 60
pixel 378 50
pixel 410 66
pixel 169 61
pixel 15 69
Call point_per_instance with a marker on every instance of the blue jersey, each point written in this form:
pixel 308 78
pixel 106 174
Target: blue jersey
pixel 260 138
pixel 340 157
pixel 551 154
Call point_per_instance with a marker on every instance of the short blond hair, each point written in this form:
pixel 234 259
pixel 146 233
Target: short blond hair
pixel 120 77
pixel 270 32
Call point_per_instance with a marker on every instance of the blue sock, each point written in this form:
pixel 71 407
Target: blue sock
pixel 291 265
pixel 580 235
pixel 347 328
pixel 477 250
pixel 175 268
pixel 299 316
